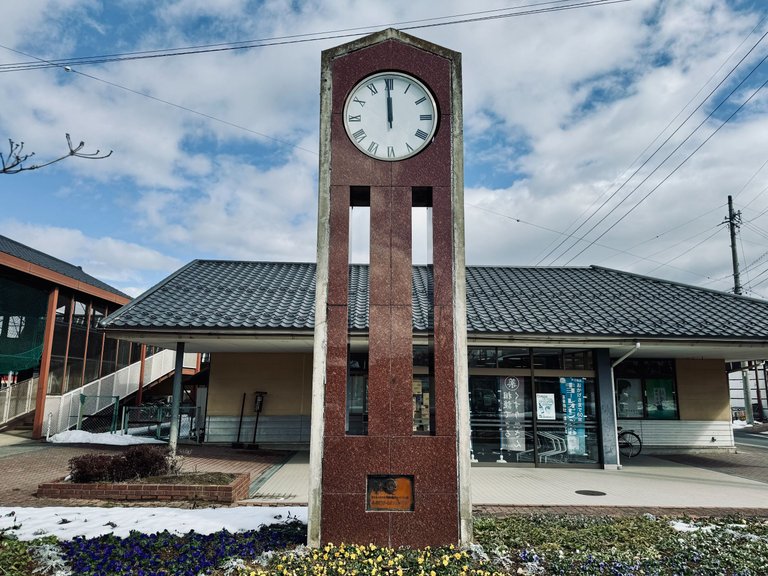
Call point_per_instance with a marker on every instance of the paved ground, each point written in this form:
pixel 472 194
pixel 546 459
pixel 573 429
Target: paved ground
pixel 696 485
pixel 25 464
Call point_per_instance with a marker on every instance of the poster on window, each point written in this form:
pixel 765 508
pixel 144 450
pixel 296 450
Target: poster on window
pixel 572 392
pixel 545 406
pixel 660 393
pixel 512 414
pixel 629 398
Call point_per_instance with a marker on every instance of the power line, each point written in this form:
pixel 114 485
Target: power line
pixel 688 157
pixel 755 262
pixel 678 227
pixel 748 182
pixel 65 63
pixel 658 148
pixel 552 230
pixel 197 112
pixel 761 213
pixel 685 240
pixel 466 18
pixel 759 231
pixel 691 249
pixel 641 154
pixel 751 285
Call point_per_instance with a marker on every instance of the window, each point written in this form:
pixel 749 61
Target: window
pixel 15 326
pixel 95 343
pixel 646 389
pixel 482 357
pixel 60 342
pixel 514 357
pixel 533 405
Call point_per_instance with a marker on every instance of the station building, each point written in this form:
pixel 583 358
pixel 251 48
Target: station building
pixel 558 358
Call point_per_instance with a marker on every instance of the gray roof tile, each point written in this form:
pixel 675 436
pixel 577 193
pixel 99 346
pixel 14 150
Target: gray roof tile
pixel 209 294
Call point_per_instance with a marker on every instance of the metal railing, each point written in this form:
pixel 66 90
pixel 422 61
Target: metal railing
pixel 62 411
pixel 155 421
pixel 17 399
pixel 98 413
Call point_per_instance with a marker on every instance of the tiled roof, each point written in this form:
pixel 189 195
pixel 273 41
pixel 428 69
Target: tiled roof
pixel 208 294
pixel 603 302
pixel 216 294
pixel 43 260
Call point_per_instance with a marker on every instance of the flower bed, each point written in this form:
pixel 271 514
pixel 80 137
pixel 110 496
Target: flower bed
pixel 236 490
pixel 527 545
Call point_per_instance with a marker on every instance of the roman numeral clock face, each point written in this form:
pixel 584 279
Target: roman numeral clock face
pixel 390 116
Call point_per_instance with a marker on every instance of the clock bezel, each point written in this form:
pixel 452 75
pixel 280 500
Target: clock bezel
pixel 411 78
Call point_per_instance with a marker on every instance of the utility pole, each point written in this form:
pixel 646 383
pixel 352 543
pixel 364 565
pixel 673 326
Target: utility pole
pixel 758 396
pixel 734 221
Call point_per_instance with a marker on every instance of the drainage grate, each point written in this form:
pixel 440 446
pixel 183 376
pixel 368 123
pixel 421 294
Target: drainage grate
pixel 590 492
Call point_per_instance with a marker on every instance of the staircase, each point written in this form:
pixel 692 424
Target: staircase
pixel 17 402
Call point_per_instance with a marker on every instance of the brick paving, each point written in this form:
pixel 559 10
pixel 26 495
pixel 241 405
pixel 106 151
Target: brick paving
pixel 22 469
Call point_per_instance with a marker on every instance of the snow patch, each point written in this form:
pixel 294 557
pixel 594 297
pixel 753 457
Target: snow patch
pixel 67 522
pixel 116 439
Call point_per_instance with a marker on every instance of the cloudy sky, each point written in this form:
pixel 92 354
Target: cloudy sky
pixel 607 133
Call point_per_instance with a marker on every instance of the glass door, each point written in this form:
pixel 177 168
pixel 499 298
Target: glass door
pixel 565 421
pixel 500 417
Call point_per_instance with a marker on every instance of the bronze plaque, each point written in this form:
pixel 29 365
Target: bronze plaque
pixel 390 493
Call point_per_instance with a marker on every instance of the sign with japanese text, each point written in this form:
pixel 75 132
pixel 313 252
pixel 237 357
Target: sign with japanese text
pixel 389 493
pixel 572 391
pixel 512 414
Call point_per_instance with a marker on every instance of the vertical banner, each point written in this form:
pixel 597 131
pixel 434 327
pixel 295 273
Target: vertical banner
pixel 572 391
pixel 512 414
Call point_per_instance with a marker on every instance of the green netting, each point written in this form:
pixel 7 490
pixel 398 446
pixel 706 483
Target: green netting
pixel 22 324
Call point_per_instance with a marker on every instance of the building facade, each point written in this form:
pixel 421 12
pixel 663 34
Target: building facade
pixel 557 357
pixel 50 338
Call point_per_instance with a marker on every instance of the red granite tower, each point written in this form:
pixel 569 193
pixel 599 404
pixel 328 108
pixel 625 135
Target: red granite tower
pixel 391 139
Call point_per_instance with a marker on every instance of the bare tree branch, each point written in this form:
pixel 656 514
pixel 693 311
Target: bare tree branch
pixel 14 162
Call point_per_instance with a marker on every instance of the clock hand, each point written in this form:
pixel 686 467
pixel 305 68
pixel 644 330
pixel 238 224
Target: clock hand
pixel 389 104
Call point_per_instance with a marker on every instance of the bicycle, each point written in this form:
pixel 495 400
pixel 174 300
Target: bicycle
pixel 630 443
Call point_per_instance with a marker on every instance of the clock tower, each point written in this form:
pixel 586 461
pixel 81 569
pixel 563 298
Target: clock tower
pixel 391 140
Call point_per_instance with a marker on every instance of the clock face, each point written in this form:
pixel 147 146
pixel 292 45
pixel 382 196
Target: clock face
pixel 390 116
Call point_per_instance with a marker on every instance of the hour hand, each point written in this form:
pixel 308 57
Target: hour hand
pixel 388 83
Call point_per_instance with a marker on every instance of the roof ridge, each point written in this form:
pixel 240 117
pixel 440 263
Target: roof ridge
pixel 683 284
pixel 128 307
pixel 230 261
pixel 42 253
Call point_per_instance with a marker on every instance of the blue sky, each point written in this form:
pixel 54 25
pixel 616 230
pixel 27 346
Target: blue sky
pixel 215 155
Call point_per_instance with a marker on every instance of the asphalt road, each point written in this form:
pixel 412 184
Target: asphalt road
pixel 751 439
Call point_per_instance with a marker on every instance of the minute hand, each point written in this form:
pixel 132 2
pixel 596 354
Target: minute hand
pixel 389 107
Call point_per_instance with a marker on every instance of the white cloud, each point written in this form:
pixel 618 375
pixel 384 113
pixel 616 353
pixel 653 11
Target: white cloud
pixel 557 106
pixel 111 260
